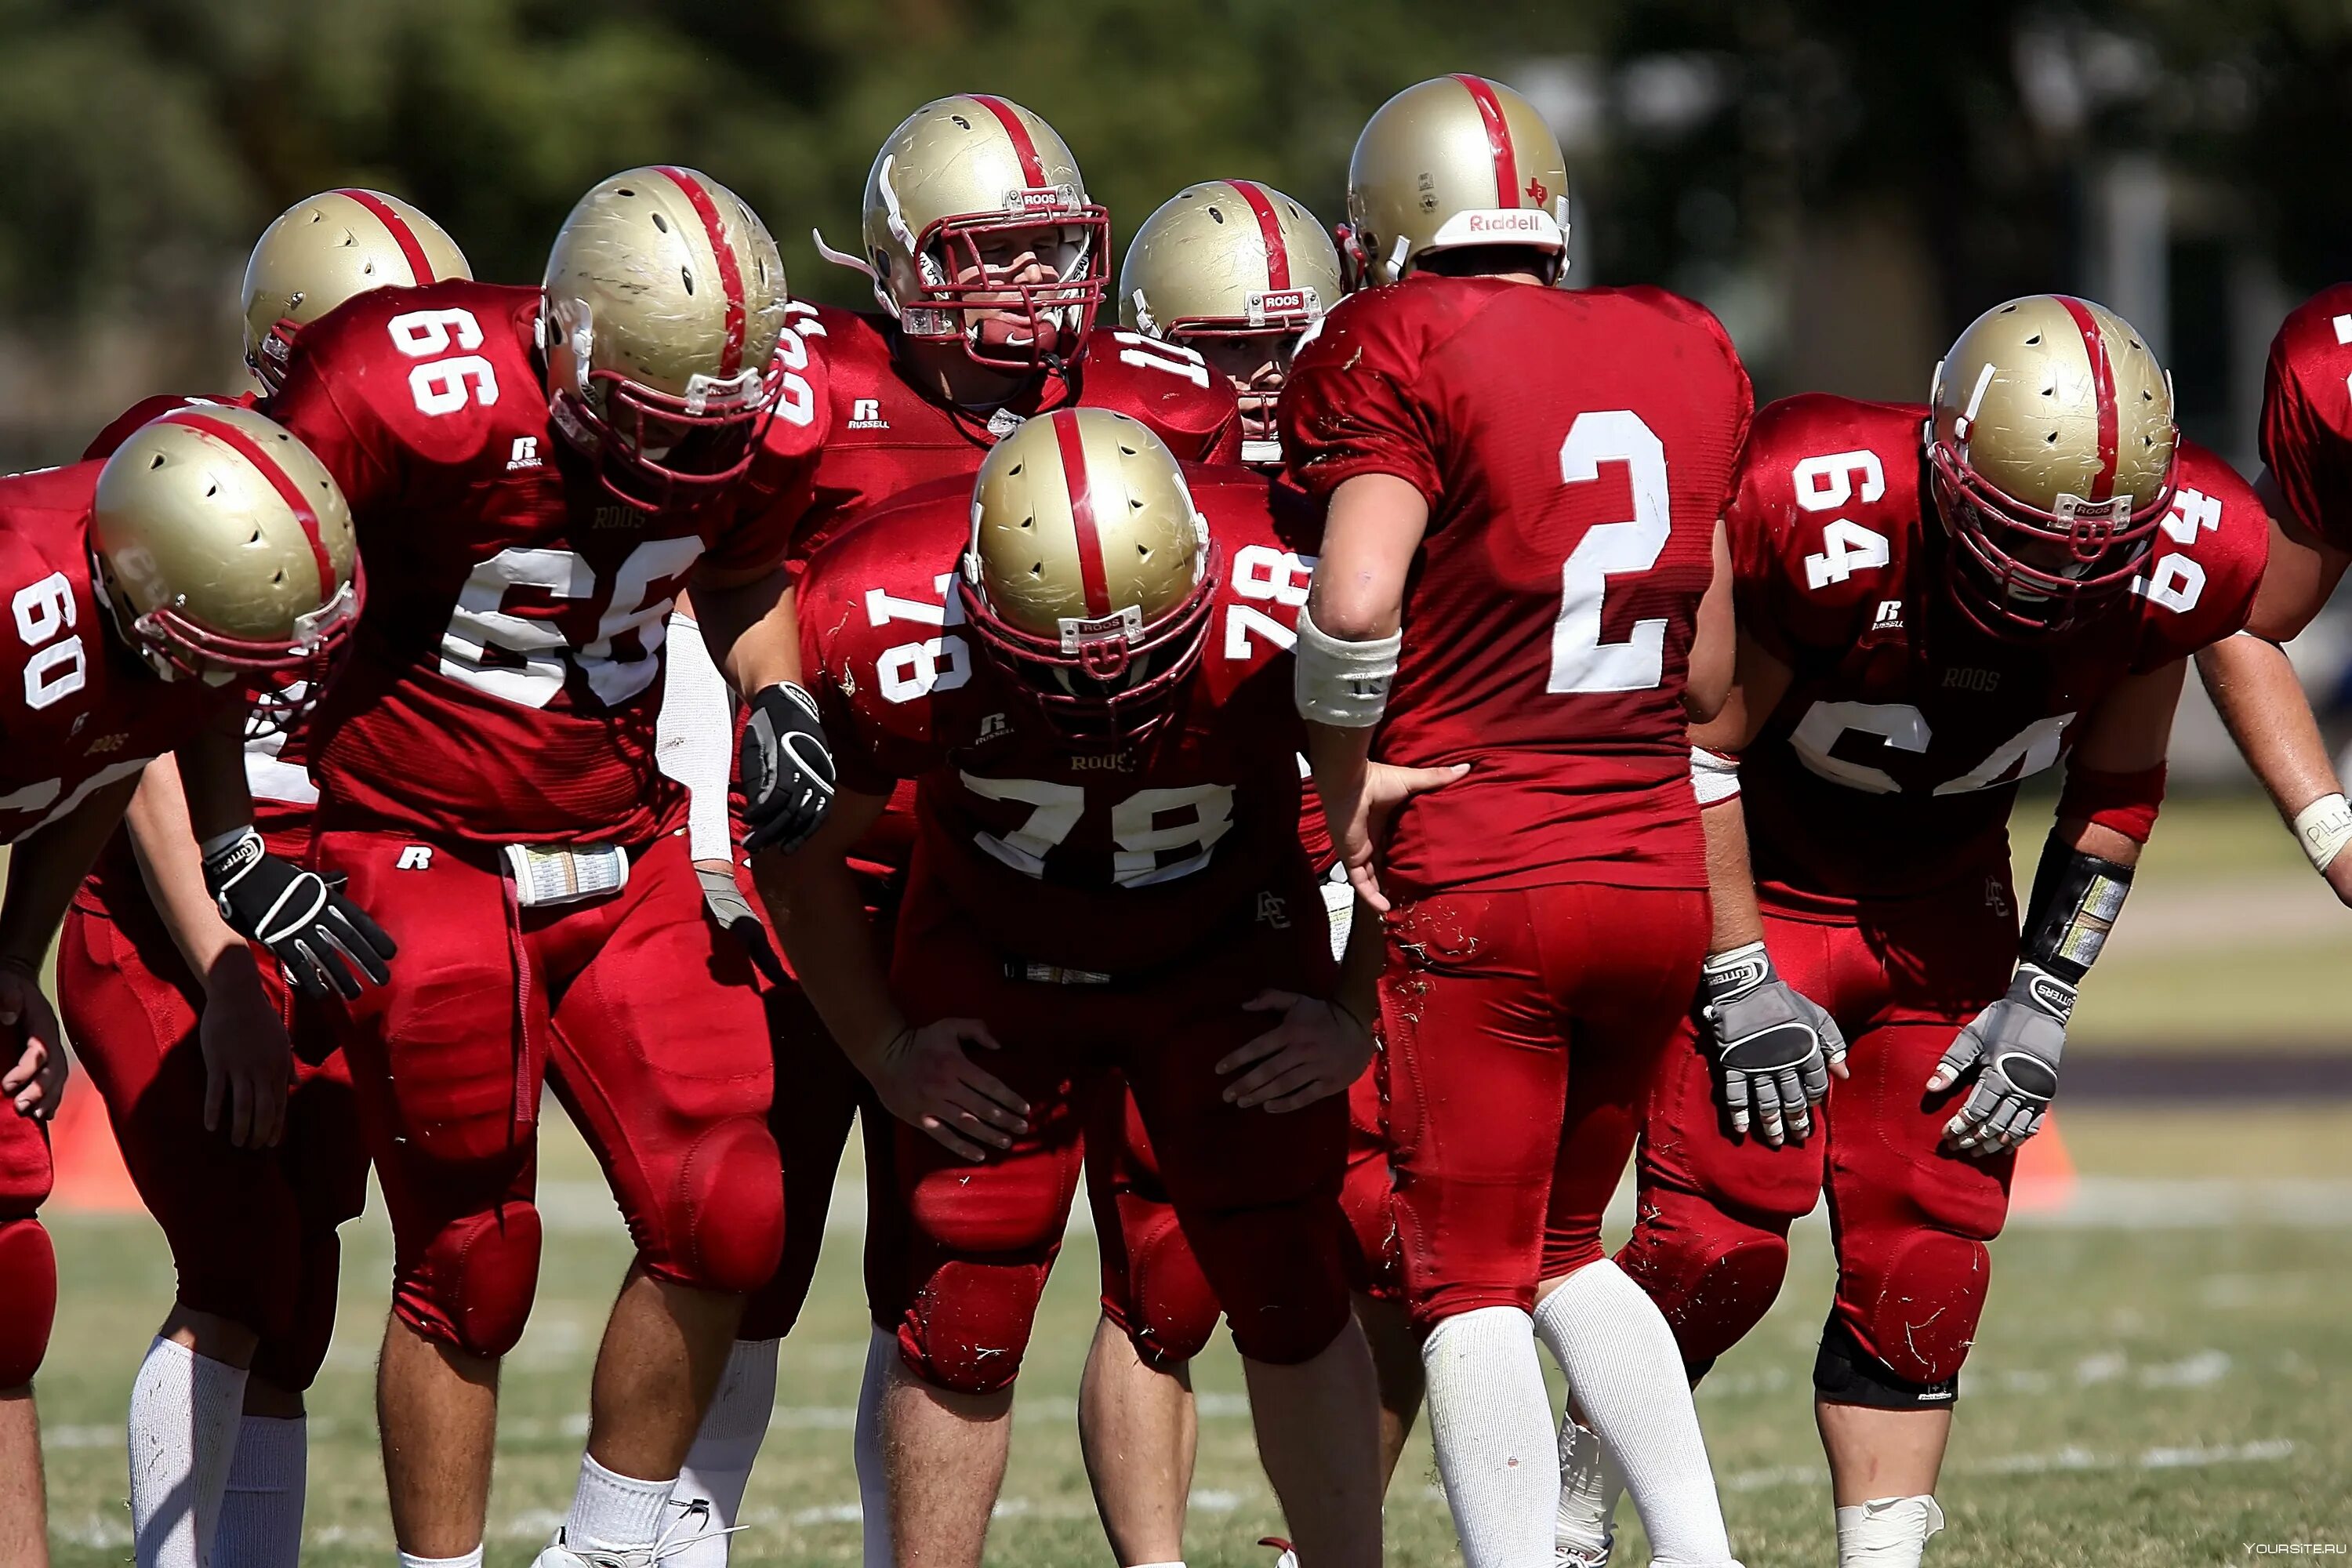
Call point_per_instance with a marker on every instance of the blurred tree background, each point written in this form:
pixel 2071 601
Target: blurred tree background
pixel 1846 184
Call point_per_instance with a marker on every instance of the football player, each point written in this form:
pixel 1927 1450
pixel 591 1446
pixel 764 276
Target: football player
pixel 154 596
pixel 1106 874
pixel 535 472
pixel 989 262
pixel 1526 482
pixel 188 1038
pixel 2306 483
pixel 1240 273
pixel 1919 629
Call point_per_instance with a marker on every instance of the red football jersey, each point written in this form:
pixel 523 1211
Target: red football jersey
pixel 506 672
pixel 2306 433
pixel 1115 860
pixel 1576 448
pixel 82 710
pixel 1889 768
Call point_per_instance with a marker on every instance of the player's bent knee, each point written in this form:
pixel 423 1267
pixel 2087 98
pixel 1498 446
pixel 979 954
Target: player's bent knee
pixel 968 1326
pixel 28 1298
pixel 1278 1273
pixel 1917 1305
pixel 1171 1311
pixel 475 1285
pixel 1713 1276
pixel 1846 1374
pixel 730 1209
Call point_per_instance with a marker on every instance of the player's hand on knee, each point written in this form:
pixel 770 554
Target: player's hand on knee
pixel 1774 1046
pixel 787 769
pixel 928 1080
pixel 2014 1046
pixel 1316 1050
pixel 248 1059
pixel 326 943
pixel 723 897
pixel 35 1078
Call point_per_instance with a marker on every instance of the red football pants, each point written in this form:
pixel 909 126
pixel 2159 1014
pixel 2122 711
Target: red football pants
pixel 640 1013
pixel 1909 1221
pixel 28 1266
pixel 1256 1196
pixel 1522 1031
pixel 252 1231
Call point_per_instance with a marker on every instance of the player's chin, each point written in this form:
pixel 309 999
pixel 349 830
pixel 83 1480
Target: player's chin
pixel 1002 336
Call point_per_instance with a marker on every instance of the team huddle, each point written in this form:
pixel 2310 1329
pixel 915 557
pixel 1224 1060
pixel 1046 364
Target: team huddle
pixel 1348 759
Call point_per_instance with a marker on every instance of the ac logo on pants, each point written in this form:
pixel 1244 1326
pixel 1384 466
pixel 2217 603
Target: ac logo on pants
pixel 415 858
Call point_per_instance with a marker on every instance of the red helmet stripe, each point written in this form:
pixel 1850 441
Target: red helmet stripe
pixel 1032 168
pixel 1269 228
pixel 1072 442
pixel 730 275
pixel 1498 138
pixel 246 447
pixel 2103 391
pixel 397 227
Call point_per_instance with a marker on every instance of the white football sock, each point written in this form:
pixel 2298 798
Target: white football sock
pixel 719 1467
pixel 1627 1377
pixel 1589 1485
pixel 612 1512
pixel 1490 1420
pixel 1886 1532
pixel 873 1478
pixel 471 1560
pixel 261 1513
pixel 185 1412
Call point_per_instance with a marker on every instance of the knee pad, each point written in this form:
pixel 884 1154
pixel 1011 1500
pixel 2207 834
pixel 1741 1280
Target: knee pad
pixel 1277 1272
pixel 474 1286
pixel 1169 1311
pixel 28 1298
pixel 968 1326
pixel 1846 1374
pixel 1912 1305
pixel 1712 1274
pixel 727 1225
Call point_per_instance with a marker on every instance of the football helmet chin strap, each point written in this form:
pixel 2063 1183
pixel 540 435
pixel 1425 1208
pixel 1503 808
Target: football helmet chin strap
pixel 2016 1043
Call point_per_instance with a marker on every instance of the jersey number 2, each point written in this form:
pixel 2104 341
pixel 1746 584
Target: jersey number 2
pixel 1580 662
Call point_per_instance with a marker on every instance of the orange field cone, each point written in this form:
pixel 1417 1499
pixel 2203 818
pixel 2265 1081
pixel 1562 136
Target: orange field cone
pixel 2045 1179
pixel 90 1174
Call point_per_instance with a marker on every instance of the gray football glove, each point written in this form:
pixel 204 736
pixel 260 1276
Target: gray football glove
pixel 2015 1044
pixel 725 901
pixel 1772 1045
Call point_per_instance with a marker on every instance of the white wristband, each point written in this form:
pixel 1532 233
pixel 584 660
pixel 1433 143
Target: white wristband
pixel 2323 829
pixel 1343 684
pixel 1715 776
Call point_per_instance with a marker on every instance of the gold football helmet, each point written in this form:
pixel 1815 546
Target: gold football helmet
pixel 1089 577
pixel 978 232
pixel 225 553
pixel 1240 272
pixel 1455 162
pixel 323 250
pixel 2050 438
pixel 666 306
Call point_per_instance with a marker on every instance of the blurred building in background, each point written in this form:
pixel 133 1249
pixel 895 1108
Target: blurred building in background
pixel 1846 184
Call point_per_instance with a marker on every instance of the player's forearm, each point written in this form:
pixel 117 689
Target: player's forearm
pixel 45 868
pixel 212 780
pixel 750 628
pixel 157 822
pixel 2255 689
pixel 1339 759
pixel 1360 963
pixel 1730 879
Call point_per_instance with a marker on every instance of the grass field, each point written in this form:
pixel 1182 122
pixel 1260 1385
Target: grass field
pixel 2164 1376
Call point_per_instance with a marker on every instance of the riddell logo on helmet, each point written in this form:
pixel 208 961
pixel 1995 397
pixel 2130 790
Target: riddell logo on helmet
pixel 1516 221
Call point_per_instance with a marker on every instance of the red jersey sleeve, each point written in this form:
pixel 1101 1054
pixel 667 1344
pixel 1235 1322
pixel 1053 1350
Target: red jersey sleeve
pixel 1351 405
pixel 2306 419
pixel 2209 560
pixel 771 497
pixel 357 450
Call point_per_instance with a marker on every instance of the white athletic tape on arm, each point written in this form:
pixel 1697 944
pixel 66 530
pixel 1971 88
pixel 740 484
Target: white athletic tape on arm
pixel 694 737
pixel 1714 776
pixel 1343 684
pixel 2323 829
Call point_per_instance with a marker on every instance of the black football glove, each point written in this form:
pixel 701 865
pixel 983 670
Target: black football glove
pixel 1772 1043
pixel 317 936
pixel 787 769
